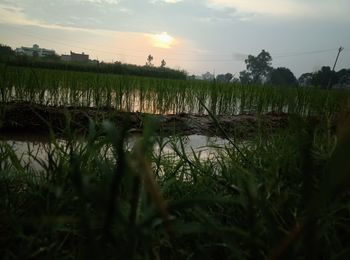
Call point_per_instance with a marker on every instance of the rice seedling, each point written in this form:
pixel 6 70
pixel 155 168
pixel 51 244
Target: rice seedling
pixel 128 93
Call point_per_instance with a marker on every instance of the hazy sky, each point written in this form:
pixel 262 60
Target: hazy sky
pixel 198 36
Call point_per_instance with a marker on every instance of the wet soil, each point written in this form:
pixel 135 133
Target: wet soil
pixel 34 118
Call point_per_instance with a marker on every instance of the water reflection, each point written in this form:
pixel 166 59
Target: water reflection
pixel 144 100
pixel 32 150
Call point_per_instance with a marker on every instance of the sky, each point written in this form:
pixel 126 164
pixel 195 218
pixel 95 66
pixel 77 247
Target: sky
pixel 193 35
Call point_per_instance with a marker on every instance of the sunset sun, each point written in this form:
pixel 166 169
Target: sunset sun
pixel 163 40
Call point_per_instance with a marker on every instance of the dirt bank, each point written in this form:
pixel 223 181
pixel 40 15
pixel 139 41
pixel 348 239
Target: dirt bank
pixel 33 118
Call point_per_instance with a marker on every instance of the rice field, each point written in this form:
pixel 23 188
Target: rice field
pixel 280 195
pixel 159 96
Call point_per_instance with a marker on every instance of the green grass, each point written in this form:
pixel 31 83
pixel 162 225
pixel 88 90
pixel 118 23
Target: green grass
pixel 289 200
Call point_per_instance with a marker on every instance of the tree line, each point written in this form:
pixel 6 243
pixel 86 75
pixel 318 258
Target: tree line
pixel 259 70
pixel 9 56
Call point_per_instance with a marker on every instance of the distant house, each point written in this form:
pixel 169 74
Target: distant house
pixel 75 57
pixel 34 51
pixel 79 57
pixel 65 57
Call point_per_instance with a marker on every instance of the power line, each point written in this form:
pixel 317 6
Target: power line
pixel 304 53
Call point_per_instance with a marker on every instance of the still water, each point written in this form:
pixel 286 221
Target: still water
pixel 33 149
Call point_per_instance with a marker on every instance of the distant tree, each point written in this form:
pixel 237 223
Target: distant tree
pixel 343 77
pixel 228 77
pixel 224 78
pixel 235 80
pixel 259 67
pixel 162 63
pixel 282 76
pixel 208 76
pixel 305 79
pixel 149 61
pixel 35 54
pixel 51 57
pixel 245 77
pixel 6 52
pixel 322 77
pixel 192 77
pixel 221 78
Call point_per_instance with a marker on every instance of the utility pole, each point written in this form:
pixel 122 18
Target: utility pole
pixel 336 60
pixel 335 63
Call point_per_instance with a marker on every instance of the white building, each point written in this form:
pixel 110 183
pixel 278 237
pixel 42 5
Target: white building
pixel 34 51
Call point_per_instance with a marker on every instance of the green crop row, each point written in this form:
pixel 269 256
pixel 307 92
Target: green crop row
pixel 162 96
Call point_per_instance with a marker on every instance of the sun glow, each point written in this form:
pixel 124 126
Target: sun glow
pixel 163 40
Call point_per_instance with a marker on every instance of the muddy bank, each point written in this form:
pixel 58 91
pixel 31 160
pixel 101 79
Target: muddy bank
pixel 33 118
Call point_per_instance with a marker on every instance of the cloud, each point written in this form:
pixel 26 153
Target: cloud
pixel 166 1
pixel 126 11
pixel 100 1
pixel 172 1
pixel 275 7
pixel 285 8
pixel 15 16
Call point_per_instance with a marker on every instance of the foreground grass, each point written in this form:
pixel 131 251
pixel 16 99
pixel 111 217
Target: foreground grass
pixel 274 196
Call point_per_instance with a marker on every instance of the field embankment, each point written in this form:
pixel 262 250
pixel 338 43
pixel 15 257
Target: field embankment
pixel 33 118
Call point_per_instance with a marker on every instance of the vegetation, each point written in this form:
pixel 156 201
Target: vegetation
pixel 224 78
pixel 326 78
pixel 6 52
pixel 258 68
pixel 8 56
pixel 114 68
pixel 282 77
pixel 128 93
pixel 278 196
pixel 260 71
